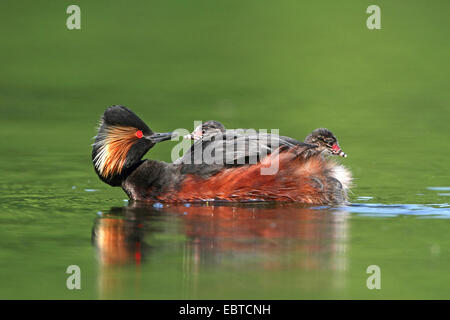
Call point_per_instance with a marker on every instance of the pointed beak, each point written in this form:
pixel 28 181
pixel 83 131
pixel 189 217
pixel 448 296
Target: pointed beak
pixel 159 137
pixel 338 151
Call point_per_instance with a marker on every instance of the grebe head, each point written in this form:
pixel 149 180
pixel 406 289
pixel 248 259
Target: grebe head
pixel 210 127
pixel 121 142
pixel 326 142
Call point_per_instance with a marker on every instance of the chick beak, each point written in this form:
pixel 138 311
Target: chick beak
pixel 338 151
pixel 194 135
pixel 159 137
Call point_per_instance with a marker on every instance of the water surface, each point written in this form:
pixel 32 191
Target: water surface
pixel 289 65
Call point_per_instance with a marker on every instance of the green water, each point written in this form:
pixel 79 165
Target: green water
pixel 290 65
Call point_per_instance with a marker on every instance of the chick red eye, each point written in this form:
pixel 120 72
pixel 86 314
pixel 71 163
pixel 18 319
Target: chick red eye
pixel 139 134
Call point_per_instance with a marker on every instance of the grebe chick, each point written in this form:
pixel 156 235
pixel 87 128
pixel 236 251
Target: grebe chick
pixel 323 138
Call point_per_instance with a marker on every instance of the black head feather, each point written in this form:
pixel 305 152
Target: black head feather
pixel 123 117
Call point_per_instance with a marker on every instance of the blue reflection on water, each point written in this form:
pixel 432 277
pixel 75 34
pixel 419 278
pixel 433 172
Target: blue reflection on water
pixel 435 210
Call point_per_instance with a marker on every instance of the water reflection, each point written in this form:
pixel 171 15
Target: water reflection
pixel 118 236
pixel 434 210
pixel 252 237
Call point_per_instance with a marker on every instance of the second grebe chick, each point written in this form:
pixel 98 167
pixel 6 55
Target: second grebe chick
pixel 209 127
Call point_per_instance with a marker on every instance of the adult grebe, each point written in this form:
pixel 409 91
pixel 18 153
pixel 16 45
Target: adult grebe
pixel 303 173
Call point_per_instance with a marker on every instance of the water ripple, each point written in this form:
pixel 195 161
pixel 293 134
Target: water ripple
pixel 441 211
pixel 439 188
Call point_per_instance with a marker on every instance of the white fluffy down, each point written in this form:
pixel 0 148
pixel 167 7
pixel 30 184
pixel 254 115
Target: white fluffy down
pixel 343 175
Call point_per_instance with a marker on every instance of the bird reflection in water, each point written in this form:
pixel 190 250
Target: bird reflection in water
pixel 264 236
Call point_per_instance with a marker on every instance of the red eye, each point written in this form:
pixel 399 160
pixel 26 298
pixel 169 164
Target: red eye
pixel 139 134
pixel 336 147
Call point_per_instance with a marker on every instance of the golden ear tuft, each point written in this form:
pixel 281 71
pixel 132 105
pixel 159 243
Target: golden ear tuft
pixel 113 144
